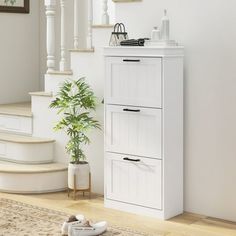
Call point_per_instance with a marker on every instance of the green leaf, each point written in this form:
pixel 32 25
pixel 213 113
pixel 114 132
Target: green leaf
pixel 74 102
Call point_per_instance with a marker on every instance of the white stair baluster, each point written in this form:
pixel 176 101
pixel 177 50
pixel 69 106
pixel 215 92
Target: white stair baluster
pixel 105 16
pixel 76 24
pixel 63 47
pixel 50 14
pixel 90 22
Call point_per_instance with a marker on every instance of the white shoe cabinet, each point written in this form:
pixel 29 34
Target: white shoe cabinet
pixel 144 130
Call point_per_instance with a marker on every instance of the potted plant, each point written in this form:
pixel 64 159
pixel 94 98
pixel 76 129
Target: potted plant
pixel 75 101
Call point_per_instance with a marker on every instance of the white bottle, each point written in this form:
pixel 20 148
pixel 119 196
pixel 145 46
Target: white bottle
pixel 165 27
pixel 156 34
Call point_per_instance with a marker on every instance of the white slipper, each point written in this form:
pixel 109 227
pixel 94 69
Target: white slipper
pixel 80 220
pixel 92 230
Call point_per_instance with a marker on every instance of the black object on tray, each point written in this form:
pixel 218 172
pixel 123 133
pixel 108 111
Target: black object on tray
pixel 133 42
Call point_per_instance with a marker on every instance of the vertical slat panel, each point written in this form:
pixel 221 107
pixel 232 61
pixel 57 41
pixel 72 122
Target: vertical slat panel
pixel 134 182
pixel 134 133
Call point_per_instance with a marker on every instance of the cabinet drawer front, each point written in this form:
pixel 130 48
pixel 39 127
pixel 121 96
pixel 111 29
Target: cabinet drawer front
pixel 133 130
pixel 134 81
pixel 136 182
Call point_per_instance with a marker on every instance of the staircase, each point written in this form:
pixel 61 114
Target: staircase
pixel 32 155
pixel 26 162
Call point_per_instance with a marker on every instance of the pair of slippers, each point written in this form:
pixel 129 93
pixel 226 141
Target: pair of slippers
pixel 79 226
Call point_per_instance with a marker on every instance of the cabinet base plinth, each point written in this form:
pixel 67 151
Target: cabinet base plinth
pixel 139 210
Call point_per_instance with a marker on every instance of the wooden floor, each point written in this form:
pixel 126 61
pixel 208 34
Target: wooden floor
pixel 184 225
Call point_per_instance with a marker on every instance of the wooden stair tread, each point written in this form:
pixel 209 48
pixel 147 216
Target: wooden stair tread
pixel 102 26
pixel 7 167
pixel 16 109
pixel 41 94
pixel 14 138
pixel 86 50
pixel 127 0
pixel 68 72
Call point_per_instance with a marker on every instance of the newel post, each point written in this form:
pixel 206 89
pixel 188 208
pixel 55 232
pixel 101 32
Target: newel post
pixel 76 24
pixel 90 23
pixel 105 16
pixel 50 14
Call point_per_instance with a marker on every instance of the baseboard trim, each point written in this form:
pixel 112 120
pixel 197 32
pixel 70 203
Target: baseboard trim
pixel 33 192
pixel 121 206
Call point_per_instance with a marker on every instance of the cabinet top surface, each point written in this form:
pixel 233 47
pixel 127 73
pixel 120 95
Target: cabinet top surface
pixel 176 51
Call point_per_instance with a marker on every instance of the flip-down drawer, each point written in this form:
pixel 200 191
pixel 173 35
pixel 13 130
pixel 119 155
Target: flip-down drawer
pixel 135 180
pixel 134 81
pixel 134 131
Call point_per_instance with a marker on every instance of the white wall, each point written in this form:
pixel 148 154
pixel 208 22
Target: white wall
pixel 19 54
pixel 207 30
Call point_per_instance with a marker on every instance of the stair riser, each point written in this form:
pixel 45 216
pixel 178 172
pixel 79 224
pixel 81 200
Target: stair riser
pixel 16 124
pixel 33 183
pixel 53 82
pixel 44 120
pixel 26 153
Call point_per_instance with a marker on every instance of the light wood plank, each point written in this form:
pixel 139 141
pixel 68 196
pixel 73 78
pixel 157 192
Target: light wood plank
pixel 6 167
pixel 41 94
pixel 17 109
pixel 187 225
pixel 23 139
pixel 86 50
pixel 69 72
pixel 127 0
pixel 102 26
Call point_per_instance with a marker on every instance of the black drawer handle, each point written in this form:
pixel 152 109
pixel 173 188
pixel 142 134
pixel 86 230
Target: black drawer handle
pixel 128 159
pixel 131 60
pixel 131 110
